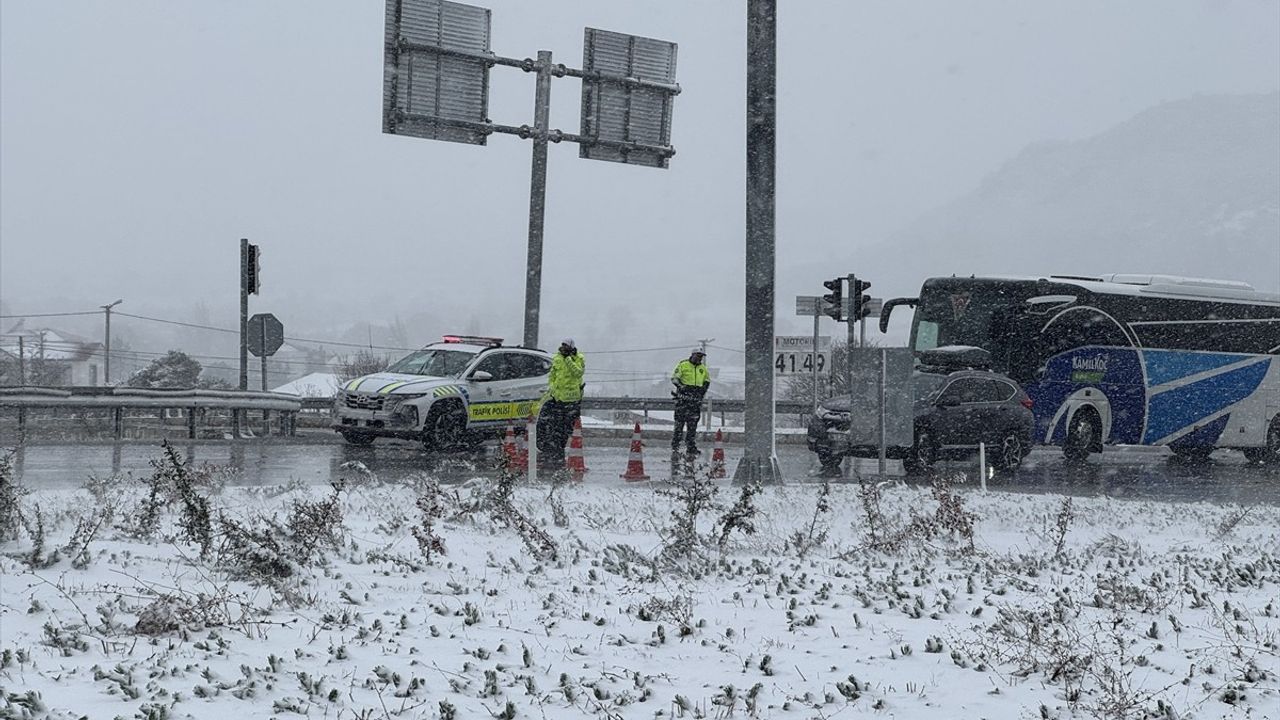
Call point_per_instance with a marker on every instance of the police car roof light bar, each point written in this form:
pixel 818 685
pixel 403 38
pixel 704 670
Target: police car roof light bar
pixel 473 340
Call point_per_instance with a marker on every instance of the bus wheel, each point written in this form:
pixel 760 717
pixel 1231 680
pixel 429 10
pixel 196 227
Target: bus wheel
pixel 1010 453
pixel 1082 435
pixel 921 456
pixel 1269 455
pixel 358 439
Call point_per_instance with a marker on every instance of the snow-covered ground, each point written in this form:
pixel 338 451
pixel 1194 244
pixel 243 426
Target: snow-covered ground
pixel 600 605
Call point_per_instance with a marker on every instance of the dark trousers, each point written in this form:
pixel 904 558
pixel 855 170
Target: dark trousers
pixel 555 425
pixel 687 415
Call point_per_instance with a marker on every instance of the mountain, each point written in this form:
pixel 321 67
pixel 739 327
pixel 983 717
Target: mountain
pixel 1190 187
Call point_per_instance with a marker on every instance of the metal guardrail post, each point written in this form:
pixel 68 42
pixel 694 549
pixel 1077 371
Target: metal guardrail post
pixel 235 423
pixel 266 423
pixel 117 423
pixel 191 423
pixel 22 426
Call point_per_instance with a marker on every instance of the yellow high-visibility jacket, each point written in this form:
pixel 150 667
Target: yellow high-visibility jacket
pixel 564 384
pixel 690 376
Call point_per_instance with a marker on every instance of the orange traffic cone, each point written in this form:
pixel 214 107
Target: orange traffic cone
pixel 575 461
pixel 717 456
pixel 635 462
pixel 510 453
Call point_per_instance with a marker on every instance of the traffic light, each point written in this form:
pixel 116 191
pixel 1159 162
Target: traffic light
pixel 861 301
pixel 833 302
pixel 252 271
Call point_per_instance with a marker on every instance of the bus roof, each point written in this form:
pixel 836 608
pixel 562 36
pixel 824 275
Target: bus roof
pixel 1170 286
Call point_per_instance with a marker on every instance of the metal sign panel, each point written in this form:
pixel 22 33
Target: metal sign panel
pixel 265 335
pixel 882 380
pixel 435 82
pixel 793 355
pixel 616 109
pixel 808 305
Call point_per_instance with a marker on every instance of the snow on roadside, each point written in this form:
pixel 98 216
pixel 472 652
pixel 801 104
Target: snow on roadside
pixel 1055 609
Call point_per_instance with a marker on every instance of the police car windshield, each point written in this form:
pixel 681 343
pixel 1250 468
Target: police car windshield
pixel 436 363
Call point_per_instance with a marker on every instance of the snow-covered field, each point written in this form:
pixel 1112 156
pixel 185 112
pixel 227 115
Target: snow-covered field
pixel 595 600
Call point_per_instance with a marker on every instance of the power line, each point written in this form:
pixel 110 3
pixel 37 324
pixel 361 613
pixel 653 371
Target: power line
pixel 57 314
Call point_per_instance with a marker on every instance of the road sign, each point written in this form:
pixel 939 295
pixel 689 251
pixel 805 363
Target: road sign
pixel 435 73
pixel 882 386
pixel 793 355
pixel 266 335
pixel 808 305
pixel 628 88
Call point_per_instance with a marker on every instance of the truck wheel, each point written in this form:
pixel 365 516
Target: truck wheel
pixel 358 439
pixel 446 426
pixel 1082 435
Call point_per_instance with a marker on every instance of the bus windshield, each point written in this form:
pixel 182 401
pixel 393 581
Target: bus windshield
pixel 961 312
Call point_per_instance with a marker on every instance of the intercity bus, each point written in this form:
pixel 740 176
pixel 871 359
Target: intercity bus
pixel 1187 363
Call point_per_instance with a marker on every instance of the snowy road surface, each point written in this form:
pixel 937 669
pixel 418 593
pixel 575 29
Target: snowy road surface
pixel 1125 472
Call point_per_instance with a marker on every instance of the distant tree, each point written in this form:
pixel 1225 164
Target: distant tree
pixel 362 362
pixel 176 370
pixel 836 382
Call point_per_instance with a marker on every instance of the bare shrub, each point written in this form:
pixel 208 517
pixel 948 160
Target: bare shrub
pixel 1062 523
pixel 431 508
pixel 268 549
pixel 814 534
pixel 739 517
pixel 11 493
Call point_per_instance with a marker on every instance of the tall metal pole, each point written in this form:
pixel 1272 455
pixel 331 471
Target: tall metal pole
pixel 537 199
pixel 244 314
pixel 22 361
pixel 851 336
pixel 759 462
pixel 815 359
pixel 106 364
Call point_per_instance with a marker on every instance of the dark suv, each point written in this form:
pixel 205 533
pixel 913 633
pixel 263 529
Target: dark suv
pixel 954 411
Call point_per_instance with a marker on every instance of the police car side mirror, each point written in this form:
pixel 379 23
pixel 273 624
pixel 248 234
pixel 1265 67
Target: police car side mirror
pixel 481 376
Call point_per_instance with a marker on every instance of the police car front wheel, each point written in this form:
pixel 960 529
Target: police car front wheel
pixel 446 426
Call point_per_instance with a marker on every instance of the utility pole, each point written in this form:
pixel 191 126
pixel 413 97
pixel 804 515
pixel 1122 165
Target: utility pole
pixel 537 199
pixel 759 463
pixel 106 364
pixel 22 362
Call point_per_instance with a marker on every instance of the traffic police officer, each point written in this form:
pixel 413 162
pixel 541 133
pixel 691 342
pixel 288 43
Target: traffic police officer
pixel 562 404
pixel 691 380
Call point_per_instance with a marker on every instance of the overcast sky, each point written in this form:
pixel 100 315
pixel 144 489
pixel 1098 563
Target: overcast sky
pixel 140 140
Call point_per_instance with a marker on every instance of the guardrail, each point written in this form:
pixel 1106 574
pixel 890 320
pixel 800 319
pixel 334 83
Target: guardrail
pixel 197 403
pixel 117 400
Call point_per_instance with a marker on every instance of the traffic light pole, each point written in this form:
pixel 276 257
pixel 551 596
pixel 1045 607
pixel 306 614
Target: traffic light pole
pixel 851 328
pixel 244 314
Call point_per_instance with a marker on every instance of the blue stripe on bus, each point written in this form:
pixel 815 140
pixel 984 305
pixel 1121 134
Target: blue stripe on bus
pixel 1164 366
pixel 1175 409
pixel 1205 435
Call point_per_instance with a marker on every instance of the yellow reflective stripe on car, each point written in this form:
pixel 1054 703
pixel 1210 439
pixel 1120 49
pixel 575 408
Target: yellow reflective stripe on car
pixel 392 386
pixel 447 391
pixel 503 410
pixel 354 384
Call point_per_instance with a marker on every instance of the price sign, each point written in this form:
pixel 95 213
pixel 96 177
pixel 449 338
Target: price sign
pixel 794 355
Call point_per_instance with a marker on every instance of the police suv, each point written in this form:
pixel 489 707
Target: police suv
pixel 444 395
